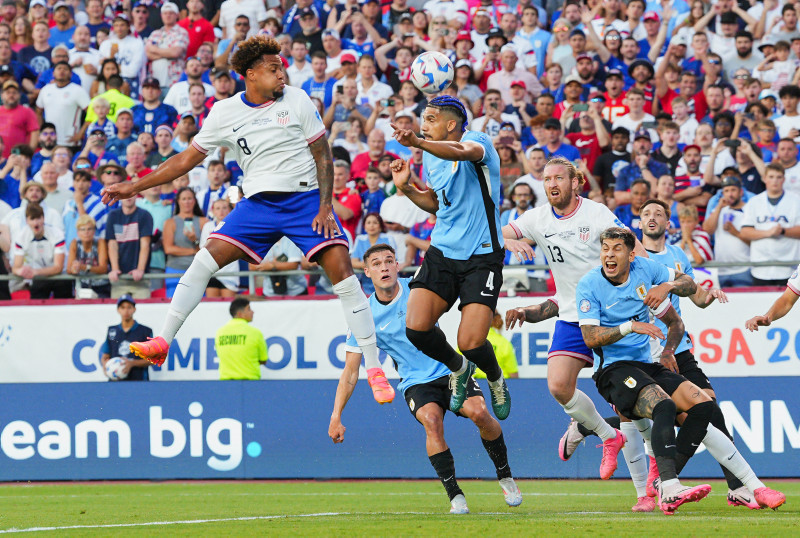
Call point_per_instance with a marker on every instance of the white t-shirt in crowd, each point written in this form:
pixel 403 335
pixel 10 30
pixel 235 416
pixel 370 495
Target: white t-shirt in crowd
pixel 761 214
pixel 727 247
pixel 63 107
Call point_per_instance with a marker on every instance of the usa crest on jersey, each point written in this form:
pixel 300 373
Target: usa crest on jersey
pixel 283 117
pixel 584 233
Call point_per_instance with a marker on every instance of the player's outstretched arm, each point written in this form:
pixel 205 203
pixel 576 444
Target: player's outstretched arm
pixel 347 383
pixel 173 168
pixel 703 297
pixel 531 314
pixel 779 308
pixel 682 286
pixel 596 336
pixel 444 149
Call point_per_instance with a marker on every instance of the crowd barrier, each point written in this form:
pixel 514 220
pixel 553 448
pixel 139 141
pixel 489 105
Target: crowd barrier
pixel 278 429
pixel 61 343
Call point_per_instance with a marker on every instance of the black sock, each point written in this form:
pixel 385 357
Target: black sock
pixel 446 470
pixel 497 451
pixel 483 357
pixel 692 432
pixel 718 421
pixel 612 421
pixel 663 439
pixel 434 344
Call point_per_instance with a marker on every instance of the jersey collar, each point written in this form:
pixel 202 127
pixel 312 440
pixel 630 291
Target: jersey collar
pixel 571 213
pixel 254 105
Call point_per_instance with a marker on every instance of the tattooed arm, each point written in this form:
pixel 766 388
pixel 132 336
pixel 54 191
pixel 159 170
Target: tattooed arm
pixel 675 331
pixel 596 336
pixel 324 223
pixel 531 314
pixel 682 286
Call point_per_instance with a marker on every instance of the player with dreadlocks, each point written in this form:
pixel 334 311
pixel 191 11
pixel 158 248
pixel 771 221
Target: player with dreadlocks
pixel 465 257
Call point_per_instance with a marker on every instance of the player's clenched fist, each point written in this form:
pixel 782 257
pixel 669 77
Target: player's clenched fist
pixel 336 431
pixel 401 173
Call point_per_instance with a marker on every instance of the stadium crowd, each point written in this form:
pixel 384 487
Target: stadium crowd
pixel 692 103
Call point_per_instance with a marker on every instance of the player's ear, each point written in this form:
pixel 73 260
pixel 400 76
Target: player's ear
pixel 451 126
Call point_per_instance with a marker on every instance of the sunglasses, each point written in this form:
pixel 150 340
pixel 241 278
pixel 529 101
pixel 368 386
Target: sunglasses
pixel 48 134
pixel 112 172
pixel 597 100
pixel 741 77
pixel 83 166
pixel 613 37
pixel 714 62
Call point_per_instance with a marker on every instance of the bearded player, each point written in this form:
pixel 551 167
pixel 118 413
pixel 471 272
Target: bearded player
pixel 277 137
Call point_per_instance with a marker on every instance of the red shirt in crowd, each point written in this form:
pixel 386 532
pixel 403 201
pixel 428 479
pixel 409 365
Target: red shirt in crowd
pixel 352 201
pixel 587 145
pixel 199 32
pixel 16 126
pixel 363 161
pixel 614 108
pixel 697 104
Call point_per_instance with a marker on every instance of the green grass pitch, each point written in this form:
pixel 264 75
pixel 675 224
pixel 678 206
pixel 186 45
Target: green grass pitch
pixel 373 508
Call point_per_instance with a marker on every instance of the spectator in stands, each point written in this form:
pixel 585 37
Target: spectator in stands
pixel 115 96
pixel 119 336
pixel 493 115
pixel 128 233
pixel 772 225
pixel 14 174
pixel 182 235
pixel 372 198
pixel 553 143
pixel 18 124
pixel 56 197
pixel 88 255
pixel 37 56
pixel 376 143
pixel 642 166
pixel 346 201
pixel 418 240
pixel 509 73
pixel 82 203
pixel 47 142
pixel 694 241
pixel 100 107
pixel 400 214
pixel 345 104
pixel 629 214
pixel 216 189
pixel 32 193
pixel 319 85
pixel 610 163
pixel 636 116
pixel 39 252
pixel 725 222
pixel 164 149
pixel 241 348
pixel 118 145
pixel 61 104
pixel 197 27
pixel 788 124
pixel 135 168
pixel 178 94
pixel 108 69
pixel 592 137
pixel 218 286
pixel 166 47
pixel 151 112
pixel 300 70
pixel 61 33
pixel 84 58
pixel 786 156
pixel 127 50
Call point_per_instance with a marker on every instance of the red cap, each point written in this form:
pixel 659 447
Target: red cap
pixel 692 146
pixel 651 15
pixel 347 57
pixel 464 35
pixel 519 83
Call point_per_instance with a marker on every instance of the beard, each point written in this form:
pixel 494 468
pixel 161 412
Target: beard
pixel 50 144
pixel 658 233
pixel 744 54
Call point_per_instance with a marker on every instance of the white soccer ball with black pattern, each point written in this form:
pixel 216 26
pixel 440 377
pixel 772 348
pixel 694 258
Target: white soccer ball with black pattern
pixel 115 369
pixel 432 72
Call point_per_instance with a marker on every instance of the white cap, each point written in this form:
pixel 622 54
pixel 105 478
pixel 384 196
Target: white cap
pixel 170 6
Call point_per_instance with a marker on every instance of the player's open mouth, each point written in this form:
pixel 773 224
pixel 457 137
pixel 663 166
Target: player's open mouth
pixel 651 225
pixel 610 266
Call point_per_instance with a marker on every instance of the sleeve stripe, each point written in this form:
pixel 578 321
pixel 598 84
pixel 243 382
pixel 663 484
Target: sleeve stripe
pixel 316 137
pixel 353 349
pixel 671 273
pixel 199 148
pixel 663 308
pixel 516 230
pixel 795 290
pixel 589 321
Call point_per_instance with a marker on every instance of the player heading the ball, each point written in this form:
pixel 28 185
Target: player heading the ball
pixel 465 258
pixel 277 137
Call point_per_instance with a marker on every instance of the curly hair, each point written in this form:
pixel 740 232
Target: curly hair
pixel 251 51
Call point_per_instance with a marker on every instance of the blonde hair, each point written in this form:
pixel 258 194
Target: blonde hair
pixel 572 171
pixel 85 220
pixel 688 211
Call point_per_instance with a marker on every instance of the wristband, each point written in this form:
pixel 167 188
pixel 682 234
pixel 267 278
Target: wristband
pixel 626 328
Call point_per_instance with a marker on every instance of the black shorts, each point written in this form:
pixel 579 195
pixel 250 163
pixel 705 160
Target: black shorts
pixel 621 382
pixel 214 283
pixel 688 368
pixel 476 280
pixel 438 392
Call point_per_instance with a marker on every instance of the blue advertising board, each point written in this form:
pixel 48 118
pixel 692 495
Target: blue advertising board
pixel 278 429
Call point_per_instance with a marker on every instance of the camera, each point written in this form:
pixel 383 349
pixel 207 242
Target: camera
pixel 387 102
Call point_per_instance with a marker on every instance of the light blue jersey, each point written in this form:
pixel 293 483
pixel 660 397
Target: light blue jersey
pixel 674 258
pixel 602 303
pixel 468 219
pixel 414 367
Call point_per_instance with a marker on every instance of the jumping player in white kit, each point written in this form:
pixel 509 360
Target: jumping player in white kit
pixel 568 230
pixel 276 135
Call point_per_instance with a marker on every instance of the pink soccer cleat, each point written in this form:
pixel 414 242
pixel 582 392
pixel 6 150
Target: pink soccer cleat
pixel 670 501
pixel 154 350
pixel 381 389
pixel 769 498
pixel 611 449
pixel 743 497
pixel 644 504
pixel 651 476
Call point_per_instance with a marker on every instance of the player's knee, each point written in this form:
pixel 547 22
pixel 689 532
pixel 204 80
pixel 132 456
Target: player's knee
pixel 561 389
pixel 702 411
pixel 480 416
pixel 432 423
pixel 665 409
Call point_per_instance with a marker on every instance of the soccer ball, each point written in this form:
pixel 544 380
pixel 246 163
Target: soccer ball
pixel 432 72
pixel 114 369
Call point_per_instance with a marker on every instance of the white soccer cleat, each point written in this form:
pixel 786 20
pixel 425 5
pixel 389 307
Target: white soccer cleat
pixel 459 505
pixel 511 492
pixel 743 497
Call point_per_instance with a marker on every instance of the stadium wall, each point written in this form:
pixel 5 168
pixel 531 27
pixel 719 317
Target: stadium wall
pixel 278 429
pixel 61 343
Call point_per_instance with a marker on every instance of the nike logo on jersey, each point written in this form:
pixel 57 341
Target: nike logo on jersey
pixel 669 446
pixel 237 128
pixel 546 236
pixel 609 306
pixel 581 143
pixel 486 294
pixel 384 326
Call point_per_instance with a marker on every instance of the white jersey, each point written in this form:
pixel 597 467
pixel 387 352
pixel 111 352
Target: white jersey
pixel 269 141
pixel 63 107
pixel 39 253
pixel 571 245
pixel 761 214
pixel 794 281
pixel 728 247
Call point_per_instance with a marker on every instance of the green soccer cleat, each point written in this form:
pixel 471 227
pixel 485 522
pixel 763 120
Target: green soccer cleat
pixel 458 386
pixel 501 398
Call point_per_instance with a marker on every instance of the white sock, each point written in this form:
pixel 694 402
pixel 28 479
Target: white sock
pixel 358 315
pixel 463 366
pixel 635 457
pixel 644 426
pixel 724 451
pixel 189 292
pixel 581 408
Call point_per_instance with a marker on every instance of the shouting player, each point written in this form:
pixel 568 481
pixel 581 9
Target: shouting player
pixel 615 323
pixel 465 257
pixel 568 230
pixel 277 137
pixel 424 383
